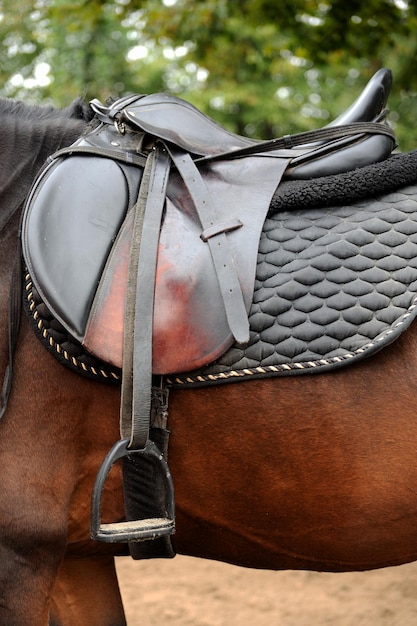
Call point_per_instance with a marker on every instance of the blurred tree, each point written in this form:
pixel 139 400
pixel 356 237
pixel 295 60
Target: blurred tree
pixel 280 67
pixel 260 67
pixel 60 49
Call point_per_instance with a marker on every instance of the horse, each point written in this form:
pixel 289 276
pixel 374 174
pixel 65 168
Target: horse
pixel 296 472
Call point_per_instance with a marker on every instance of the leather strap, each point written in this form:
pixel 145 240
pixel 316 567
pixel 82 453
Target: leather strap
pixel 287 142
pixel 116 155
pixel 137 348
pixel 108 114
pixel 236 313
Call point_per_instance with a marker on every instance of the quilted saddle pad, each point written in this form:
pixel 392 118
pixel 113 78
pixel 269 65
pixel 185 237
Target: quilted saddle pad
pixel 333 285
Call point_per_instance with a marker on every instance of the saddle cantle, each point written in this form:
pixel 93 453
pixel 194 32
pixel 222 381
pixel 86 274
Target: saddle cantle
pixel 79 220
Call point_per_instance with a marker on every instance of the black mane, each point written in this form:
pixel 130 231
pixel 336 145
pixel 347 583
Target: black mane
pixel 29 134
pixel 77 110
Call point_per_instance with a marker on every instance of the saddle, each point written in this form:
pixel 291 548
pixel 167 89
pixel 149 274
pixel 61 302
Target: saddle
pixel 142 241
pixel 86 236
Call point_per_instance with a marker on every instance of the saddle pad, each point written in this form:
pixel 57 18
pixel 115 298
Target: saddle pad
pixel 333 285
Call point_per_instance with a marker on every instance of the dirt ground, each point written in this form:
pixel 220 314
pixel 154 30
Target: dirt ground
pixel 194 592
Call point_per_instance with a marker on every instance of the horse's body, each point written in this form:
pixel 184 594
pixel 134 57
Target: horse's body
pixel 313 472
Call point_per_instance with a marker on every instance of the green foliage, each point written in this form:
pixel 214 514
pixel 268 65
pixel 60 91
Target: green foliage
pixel 261 67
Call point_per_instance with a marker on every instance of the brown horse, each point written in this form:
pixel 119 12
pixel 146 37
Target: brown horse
pixel 313 472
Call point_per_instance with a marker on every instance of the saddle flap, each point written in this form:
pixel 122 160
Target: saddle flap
pixel 68 230
pixel 190 327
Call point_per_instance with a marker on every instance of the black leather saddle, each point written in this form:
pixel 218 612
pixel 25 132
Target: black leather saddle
pixel 86 237
pixel 142 239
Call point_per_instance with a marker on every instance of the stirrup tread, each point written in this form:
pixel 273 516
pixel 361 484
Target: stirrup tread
pixel 141 529
pixel 135 530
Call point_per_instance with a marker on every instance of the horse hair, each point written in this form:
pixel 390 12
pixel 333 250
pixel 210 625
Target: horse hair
pixel 78 110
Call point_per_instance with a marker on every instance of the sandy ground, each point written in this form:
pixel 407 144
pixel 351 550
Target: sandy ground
pixel 194 592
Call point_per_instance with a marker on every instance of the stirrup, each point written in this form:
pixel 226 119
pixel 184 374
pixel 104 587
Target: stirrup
pixel 140 529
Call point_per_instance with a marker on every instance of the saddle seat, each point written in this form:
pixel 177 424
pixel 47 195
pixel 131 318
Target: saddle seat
pixel 179 122
pixel 80 218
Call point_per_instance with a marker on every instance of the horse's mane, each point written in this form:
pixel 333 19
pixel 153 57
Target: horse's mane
pixel 77 110
pixel 29 134
pixel 370 181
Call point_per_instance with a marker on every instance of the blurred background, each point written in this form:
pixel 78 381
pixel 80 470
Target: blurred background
pixel 263 68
